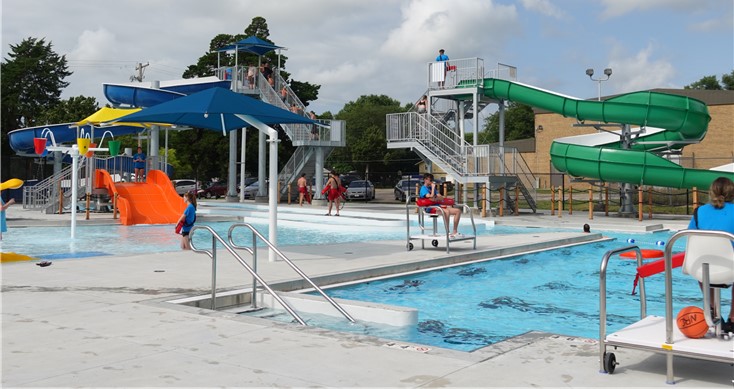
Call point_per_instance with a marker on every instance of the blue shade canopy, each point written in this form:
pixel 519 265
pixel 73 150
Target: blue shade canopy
pixel 251 44
pixel 214 109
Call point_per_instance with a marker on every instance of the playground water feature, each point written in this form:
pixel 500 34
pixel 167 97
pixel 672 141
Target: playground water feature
pixel 471 306
pixel 105 240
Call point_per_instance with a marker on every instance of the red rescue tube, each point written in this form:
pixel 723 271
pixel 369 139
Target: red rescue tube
pixel 656 267
pixel 646 254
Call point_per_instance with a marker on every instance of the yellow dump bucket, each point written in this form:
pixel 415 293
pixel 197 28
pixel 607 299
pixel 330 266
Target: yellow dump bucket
pixel 83 144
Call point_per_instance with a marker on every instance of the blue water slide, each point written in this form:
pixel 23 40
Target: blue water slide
pixel 136 95
pixel 143 95
pixel 140 95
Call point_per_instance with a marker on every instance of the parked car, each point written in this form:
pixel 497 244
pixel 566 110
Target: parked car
pixel 215 189
pixel 408 185
pixel 248 182
pixel 186 185
pixel 251 192
pixel 347 179
pixel 361 190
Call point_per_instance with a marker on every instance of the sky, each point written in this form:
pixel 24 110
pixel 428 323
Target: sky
pixel 355 48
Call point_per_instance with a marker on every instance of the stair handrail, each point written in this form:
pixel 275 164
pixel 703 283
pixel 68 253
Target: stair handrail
pixel 295 131
pixel 40 195
pixel 213 255
pixel 290 169
pixel 253 252
pixel 436 137
pixel 290 95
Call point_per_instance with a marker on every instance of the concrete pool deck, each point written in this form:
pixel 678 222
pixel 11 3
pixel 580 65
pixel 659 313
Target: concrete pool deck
pixel 104 321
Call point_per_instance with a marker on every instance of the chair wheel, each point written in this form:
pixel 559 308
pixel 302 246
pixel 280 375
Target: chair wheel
pixel 610 363
pixel 410 246
pixel 434 243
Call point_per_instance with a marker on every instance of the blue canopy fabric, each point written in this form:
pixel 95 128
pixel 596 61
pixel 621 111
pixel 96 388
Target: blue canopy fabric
pixel 214 109
pixel 251 44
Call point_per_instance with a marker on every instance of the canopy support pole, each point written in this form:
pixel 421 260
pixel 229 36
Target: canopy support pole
pixel 273 184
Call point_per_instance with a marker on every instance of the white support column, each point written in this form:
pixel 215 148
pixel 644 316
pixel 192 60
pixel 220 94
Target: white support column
pixel 318 174
pixel 74 185
pixel 502 132
pixel 165 157
pixel 273 184
pixel 154 144
pixel 232 170
pixel 261 164
pixel 460 114
pixel 273 194
pixel 475 117
pixel 242 164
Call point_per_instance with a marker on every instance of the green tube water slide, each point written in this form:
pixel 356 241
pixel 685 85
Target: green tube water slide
pixel 670 122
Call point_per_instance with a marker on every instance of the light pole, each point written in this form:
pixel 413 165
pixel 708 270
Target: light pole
pixel 607 72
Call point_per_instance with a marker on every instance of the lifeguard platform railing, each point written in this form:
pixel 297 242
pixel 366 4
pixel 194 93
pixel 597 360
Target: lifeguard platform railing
pixel 436 138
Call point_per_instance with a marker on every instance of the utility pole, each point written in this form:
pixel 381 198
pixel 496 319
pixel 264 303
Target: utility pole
pixel 140 68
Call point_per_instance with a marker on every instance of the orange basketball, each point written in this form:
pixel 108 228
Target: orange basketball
pixel 691 322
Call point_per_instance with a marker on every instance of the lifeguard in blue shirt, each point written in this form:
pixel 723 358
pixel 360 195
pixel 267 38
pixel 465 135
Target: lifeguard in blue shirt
pixel 139 165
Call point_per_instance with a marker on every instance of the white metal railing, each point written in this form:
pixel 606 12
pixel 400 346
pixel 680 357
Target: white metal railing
pixel 45 192
pixel 431 135
pixel 297 132
pixel 237 75
pixel 465 72
pixel 503 72
pixel 294 165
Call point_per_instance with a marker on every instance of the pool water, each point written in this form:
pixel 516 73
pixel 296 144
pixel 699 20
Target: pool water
pixel 556 291
pixel 55 243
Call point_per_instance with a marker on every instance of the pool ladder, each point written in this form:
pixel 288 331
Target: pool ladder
pixel 231 246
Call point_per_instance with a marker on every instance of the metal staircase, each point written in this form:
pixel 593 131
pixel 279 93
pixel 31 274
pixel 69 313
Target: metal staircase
pixel 46 196
pixel 435 137
pixel 328 135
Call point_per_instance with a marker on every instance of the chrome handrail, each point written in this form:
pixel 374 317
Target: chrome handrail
pixel 213 255
pixel 421 219
pixel 603 297
pixel 669 288
pixel 293 266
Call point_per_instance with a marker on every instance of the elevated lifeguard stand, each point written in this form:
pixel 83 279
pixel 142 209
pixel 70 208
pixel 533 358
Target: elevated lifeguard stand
pixel 455 91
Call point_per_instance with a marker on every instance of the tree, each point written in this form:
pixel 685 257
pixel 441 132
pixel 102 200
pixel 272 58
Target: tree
pixel 707 82
pixel 305 91
pixel 728 80
pixel 33 78
pixel 366 149
pixel 519 124
pixel 712 83
pixel 206 151
pixel 71 110
pixel 32 81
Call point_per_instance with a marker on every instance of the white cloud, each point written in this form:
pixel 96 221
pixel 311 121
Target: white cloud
pixel 544 7
pixel 616 8
pixel 724 23
pixel 640 71
pixel 94 45
pixel 462 27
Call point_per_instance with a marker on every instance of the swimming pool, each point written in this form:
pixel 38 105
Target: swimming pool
pixel 557 291
pixel 100 240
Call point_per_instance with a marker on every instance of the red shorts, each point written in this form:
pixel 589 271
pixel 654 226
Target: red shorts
pixel 302 189
pixel 334 194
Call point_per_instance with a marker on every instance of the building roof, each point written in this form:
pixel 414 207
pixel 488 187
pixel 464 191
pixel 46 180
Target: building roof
pixel 526 145
pixel 710 97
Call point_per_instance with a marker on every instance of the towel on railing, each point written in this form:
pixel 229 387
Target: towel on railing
pixel 438 72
